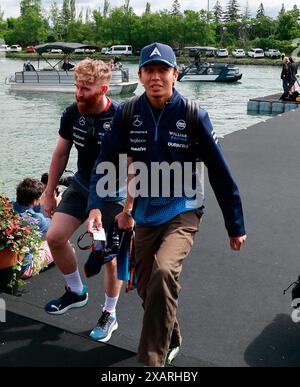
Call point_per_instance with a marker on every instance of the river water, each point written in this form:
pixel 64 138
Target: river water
pixel 29 121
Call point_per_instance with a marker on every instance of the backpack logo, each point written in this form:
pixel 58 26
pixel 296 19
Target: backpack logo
pixel 181 124
pixel 137 120
pixel 82 121
pixel 155 52
pixel 106 125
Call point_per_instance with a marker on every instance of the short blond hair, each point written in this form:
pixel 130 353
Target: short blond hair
pixel 91 71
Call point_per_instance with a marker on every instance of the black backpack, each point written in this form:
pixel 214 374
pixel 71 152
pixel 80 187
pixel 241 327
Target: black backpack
pixel 191 117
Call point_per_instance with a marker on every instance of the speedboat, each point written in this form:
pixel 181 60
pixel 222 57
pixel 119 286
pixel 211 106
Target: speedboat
pixel 55 79
pixel 209 72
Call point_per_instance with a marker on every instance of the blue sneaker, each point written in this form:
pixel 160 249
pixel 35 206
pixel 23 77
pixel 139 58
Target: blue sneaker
pixel 107 323
pixel 67 301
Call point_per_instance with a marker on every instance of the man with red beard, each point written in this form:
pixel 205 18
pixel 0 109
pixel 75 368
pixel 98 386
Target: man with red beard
pixel 83 124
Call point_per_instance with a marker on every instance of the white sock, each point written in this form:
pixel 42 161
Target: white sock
pixel 73 281
pixel 110 304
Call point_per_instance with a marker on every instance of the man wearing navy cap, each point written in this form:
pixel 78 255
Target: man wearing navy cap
pixel 161 133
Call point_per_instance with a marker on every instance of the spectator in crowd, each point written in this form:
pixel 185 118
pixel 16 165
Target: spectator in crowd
pixel 29 193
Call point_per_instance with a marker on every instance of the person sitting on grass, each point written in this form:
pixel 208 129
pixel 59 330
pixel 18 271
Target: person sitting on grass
pixel 29 193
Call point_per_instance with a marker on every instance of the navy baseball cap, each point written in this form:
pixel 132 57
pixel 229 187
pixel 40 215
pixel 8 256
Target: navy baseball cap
pixel 157 52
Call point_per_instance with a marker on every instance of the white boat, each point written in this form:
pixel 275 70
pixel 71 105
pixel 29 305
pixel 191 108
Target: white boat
pixel 54 79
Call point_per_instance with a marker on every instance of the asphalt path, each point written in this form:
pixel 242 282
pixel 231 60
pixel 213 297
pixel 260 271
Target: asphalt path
pixel 232 310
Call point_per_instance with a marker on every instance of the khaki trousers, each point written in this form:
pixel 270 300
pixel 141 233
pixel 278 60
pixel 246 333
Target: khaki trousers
pixel 160 252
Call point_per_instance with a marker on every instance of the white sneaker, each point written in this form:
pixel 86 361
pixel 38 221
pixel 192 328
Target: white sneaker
pixel 172 353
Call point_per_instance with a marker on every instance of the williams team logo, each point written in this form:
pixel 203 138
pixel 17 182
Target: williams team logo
pixel 137 120
pixel 155 52
pixel 181 124
pixel 106 125
pixel 82 121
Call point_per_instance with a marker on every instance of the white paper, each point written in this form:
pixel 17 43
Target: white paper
pixel 99 235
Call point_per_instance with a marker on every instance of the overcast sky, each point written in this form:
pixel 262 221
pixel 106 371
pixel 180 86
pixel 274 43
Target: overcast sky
pixel 272 7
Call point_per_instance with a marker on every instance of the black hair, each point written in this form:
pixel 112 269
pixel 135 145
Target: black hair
pixel 29 190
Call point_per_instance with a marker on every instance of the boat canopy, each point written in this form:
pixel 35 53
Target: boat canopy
pixel 66 48
pixel 200 48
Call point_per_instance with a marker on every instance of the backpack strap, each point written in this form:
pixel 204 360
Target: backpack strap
pixel 127 114
pixel 192 121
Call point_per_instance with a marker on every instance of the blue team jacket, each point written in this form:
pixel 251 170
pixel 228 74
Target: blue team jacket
pixel 166 137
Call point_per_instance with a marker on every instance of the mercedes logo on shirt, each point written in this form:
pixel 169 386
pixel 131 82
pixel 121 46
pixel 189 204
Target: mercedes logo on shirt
pixel 106 125
pixel 137 120
pixel 82 121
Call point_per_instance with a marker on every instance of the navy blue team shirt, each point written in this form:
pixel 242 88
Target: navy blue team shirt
pixel 86 133
pixel 164 136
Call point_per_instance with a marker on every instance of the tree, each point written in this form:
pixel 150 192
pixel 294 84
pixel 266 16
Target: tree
pixel 261 11
pixel 296 12
pixel 66 12
pixel 287 27
pixel 175 8
pixel 217 12
pixel 3 25
pixel 106 6
pixel 80 32
pixel 88 15
pixel 30 27
pixel 65 16
pixel 1 15
pixel 148 8
pixel 232 11
pixel 127 7
pixel 263 27
pixel 72 10
pixel 80 15
pixel 26 5
pixel 56 22
pixel 247 13
pixel 282 11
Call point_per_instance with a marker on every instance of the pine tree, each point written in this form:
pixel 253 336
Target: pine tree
pixel 106 7
pixel 72 10
pixel 232 11
pixel 148 8
pixel 127 6
pixel 247 13
pixel 56 21
pixel 218 12
pixel 87 15
pixel 282 11
pixel 80 15
pixel 296 9
pixel 65 13
pixel 1 14
pixel 261 11
pixel 175 8
pixel 296 12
